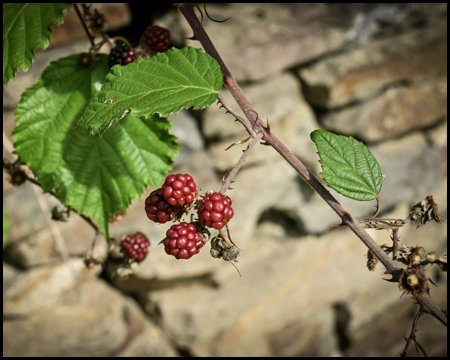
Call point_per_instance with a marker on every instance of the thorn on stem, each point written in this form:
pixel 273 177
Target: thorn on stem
pixel 193 37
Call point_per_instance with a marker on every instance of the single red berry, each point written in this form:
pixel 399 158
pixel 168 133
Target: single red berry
pixel 122 54
pixel 157 208
pixel 215 211
pixel 135 246
pixel 156 38
pixel 183 241
pixel 179 189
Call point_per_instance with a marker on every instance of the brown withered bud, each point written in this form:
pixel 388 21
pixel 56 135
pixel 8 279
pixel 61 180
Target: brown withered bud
pixel 426 210
pixel 86 59
pixel 220 249
pixel 410 255
pixel 372 260
pixel 413 282
pixel 96 21
pixel 17 177
pixel 435 213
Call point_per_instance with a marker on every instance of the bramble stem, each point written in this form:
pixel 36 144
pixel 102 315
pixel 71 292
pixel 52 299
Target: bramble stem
pixel 200 35
pixel 88 33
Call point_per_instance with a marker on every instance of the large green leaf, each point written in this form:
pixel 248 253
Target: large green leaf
pixel 26 26
pixel 348 166
pixel 165 84
pixel 95 176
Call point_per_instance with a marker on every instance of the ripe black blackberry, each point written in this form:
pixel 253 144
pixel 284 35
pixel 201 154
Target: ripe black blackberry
pixel 122 54
pixel 156 38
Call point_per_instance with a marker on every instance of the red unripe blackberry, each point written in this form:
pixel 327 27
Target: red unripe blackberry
pixel 156 38
pixel 135 246
pixel 183 241
pixel 122 54
pixel 179 189
pixel 157 208
pixel 215 211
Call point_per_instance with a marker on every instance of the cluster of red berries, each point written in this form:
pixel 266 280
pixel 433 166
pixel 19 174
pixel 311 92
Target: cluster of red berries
pixel 155 39
pixel 175 197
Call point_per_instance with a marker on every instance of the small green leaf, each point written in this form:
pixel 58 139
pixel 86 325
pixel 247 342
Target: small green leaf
pixel 348 166
pixel 165 84
pixel 5 226
pixel 26 26
pixel 94 176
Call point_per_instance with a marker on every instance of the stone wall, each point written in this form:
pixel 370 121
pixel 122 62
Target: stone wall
pixel 376 72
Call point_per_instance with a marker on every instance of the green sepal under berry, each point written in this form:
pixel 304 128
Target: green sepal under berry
pixel 27 26
pixel 96 177
pixel 348 166
pixel 163 85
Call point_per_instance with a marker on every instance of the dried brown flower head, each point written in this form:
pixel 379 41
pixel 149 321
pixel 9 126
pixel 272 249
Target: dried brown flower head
pixel 410 255
pixel 426 210
pixel 372 260
pixel 413 282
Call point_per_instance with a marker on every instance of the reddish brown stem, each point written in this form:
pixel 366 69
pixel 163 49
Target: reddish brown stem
pixel 200 35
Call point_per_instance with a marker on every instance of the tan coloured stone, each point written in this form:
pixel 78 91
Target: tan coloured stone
pixel 396 112
pixel 363 72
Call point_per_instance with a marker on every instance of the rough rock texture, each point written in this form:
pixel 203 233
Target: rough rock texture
pixel 373 71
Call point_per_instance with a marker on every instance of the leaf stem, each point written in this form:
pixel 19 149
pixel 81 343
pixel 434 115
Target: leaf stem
pixel 88 33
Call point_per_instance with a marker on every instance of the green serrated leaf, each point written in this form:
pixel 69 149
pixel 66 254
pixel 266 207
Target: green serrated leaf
pixel 26 26
pixel 5 226
pixel 165 84
pixel 94 176
pixel 348 166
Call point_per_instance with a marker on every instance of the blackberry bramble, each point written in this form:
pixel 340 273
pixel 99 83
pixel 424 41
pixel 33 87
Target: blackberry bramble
pixel 179 189
pixel 135 247
pixel 183 241
pixel 157 208
pixel 122 54
pixel 215 210
pixel 156 38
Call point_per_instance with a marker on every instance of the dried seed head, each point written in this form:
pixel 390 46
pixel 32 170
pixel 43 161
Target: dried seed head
pixel 426 210
pixel 410 254
pixel 86 59
pixel 414 259
pixel 372 260
pixel 431 257
pixel 17 177
pixel 96 21
pixel 220 249
pixel 413 282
